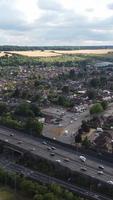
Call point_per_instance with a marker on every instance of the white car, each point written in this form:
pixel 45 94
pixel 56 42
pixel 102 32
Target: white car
pixel 6 140
pixel 82 158
pixel 110 182
pixel 100 172
pixel 59 161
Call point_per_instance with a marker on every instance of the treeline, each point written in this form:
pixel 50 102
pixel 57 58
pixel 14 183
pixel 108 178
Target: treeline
pixel 34 190
pixel 27 48
pixel 23 117
pixel 64 173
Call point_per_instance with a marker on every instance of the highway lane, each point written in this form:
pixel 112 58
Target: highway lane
pixel 37 176
pixel 41 150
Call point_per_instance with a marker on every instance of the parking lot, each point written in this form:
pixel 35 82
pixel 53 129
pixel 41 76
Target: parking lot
pixel 64 124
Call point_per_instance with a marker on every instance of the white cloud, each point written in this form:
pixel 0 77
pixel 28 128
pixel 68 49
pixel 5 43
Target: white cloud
pixel 56 22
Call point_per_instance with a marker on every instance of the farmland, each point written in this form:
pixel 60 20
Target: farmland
pixel 57 53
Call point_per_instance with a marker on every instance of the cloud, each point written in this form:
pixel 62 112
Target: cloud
pixel 110 6
pixel 56 24
pixel 52 5
pixel 10 17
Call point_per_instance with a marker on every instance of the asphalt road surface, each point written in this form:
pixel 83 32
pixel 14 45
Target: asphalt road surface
pixel 68 123
pixel 37 147
pixel 37 176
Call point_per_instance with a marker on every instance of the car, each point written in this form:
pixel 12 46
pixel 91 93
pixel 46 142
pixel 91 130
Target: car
pixel 100 172
pixel 53 148
pixel 49 148
pixel 44 142
pixel 12 134
pixel 60 125
pixel 33 149
pixel 59 161
pixel 71 121
pixel 83 168
pixel 66 159
pixel 52 154
pixel 82 158
pixel 110 182
pixel 101 167
pixel 19 142
pixel 6 140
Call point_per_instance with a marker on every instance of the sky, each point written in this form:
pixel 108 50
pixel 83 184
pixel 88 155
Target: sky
pixel 56 22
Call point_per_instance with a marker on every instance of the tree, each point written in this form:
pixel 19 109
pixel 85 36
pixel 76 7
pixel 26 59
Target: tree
pixel 62 101
pixel 96 109
pixel 34 126
pixel 78 138
pixel 38 197
pixel 104 104
pixel 3 108
pixel 28 187
pixel 24 110
pixel 56 189
pixel 35 109
pixel 72 74
pixel 65 89
pixel 49 196
pixel 91 94
pixel 85 127
pixel 86 142
pixel 95 82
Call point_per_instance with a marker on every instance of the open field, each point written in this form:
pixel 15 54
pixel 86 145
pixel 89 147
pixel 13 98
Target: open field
pixel 7 194
pixel 51 53
pixel 86 51
pixel 2 54
pixel 36 53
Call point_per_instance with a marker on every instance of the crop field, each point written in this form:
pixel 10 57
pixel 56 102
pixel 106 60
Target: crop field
pixel 86 51
pixel 51 53
pixel 36 53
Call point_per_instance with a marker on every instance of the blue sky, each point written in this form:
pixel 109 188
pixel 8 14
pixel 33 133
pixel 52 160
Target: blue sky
pixel 56 22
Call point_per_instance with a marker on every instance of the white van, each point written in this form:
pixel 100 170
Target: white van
pixel 82 158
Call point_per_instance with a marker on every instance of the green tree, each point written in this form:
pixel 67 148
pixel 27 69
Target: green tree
pixel 34 126
pixel 38 197
pixel 91 94
pixel 24 110
pixel 65 89
pixel 28 187
pixel 86 142
pixel 3 108
pixel 96 109
pixel 78 138
pixel 49 196
pixel 95 82
pixel 104 104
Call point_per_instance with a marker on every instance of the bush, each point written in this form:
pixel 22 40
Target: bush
pixel 96 109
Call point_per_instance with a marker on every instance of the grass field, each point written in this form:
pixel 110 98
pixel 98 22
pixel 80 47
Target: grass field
pixel 7 194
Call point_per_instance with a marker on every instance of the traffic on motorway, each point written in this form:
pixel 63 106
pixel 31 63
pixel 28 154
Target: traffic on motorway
pixel 83 164
pixel 37 176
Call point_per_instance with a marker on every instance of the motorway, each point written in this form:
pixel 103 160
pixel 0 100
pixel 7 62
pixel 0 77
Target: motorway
pixel 37 176
pixel 61 153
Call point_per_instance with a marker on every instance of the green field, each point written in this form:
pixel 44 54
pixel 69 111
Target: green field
pixel 7 194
